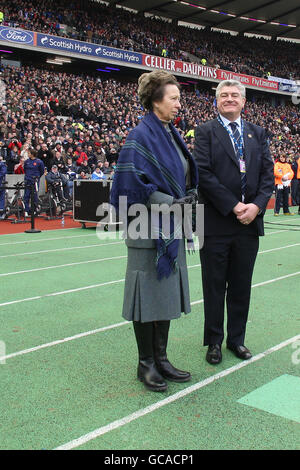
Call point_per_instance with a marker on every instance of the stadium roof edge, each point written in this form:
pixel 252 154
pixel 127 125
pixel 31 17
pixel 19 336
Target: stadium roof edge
pixel 273 18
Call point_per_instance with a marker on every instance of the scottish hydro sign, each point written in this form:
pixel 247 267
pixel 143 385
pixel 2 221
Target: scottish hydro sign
pixel 86 48
pixel 18 36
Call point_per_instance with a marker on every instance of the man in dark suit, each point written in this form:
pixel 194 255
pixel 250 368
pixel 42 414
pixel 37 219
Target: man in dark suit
pixel 235 184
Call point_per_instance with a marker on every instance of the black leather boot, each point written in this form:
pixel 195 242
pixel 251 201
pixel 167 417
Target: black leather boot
pixel 160 342
pixel 147 371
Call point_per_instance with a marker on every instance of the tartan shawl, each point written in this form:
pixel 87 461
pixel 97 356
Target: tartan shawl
pixel 149 162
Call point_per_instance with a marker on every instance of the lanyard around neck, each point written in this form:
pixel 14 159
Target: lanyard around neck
pixel 239 145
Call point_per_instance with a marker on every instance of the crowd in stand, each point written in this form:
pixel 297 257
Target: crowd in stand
pixel 87 120
pixel 111 26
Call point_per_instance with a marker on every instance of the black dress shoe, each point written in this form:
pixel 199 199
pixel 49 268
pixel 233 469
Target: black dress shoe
pixel 240 351
pixel 169 372
pixel 149 375
pixel 214 354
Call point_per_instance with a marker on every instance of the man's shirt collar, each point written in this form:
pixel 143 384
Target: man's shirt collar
pixel 227 122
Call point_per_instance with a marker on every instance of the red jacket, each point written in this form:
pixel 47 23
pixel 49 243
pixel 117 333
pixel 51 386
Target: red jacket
pixel 19 170
pixel 83 157
pixel 17 144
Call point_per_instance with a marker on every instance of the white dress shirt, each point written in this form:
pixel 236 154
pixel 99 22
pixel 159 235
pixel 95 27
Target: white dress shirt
pixel 226 123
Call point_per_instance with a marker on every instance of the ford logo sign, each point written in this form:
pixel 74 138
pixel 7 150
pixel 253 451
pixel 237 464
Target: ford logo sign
pixel 16 35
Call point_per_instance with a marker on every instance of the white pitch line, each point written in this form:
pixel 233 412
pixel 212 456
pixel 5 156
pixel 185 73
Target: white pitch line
pixel 277 249
pixel 39 240
pixel 87 333
pixel 282 216
pixel 273 233
pixel 282 221
pixel 62 341
pixel 172 398
pixel 78 289
pixel 197 302
pixel 48 230
pixel 264 283
pixel 78 247
pixel 63 265
pixel 117 257
pixel 70 291
pixel 61 249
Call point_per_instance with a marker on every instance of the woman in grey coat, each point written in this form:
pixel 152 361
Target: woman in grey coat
pixel 155 167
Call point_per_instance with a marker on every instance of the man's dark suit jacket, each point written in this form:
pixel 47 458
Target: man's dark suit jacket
pixel 220 180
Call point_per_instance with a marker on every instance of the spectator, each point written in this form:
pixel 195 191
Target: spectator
pixel 3 171
pixel 295 190
pixel 107 170
pixel 82 158
pixel 70 171
pixel 59 162
pixel 283 175
pixel 82 175
pixel 112 154
pixel 45 155
pixel 58 183
pixel 13 158
pixel 92 158
pixel 19 167
pixel 84 167
pixel 98 174
pixel 100 154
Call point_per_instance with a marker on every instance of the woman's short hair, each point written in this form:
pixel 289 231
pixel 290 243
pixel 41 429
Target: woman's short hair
pixel 235 83
pixel 151 87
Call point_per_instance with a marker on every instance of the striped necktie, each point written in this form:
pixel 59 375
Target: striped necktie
pixel 236 134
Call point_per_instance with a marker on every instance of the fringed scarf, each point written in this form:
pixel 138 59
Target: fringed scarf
pixel 149 162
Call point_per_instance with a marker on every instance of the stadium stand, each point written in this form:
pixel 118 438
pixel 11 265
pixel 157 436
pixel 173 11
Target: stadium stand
pixel 78 119
pixel 119 28
pixel 76 114
pixel 82 117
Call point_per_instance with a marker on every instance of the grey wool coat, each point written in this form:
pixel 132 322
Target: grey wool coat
pixel 146 298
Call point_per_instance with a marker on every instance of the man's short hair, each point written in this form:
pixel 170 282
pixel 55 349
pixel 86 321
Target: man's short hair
pixel 235 83
pixel 33 152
